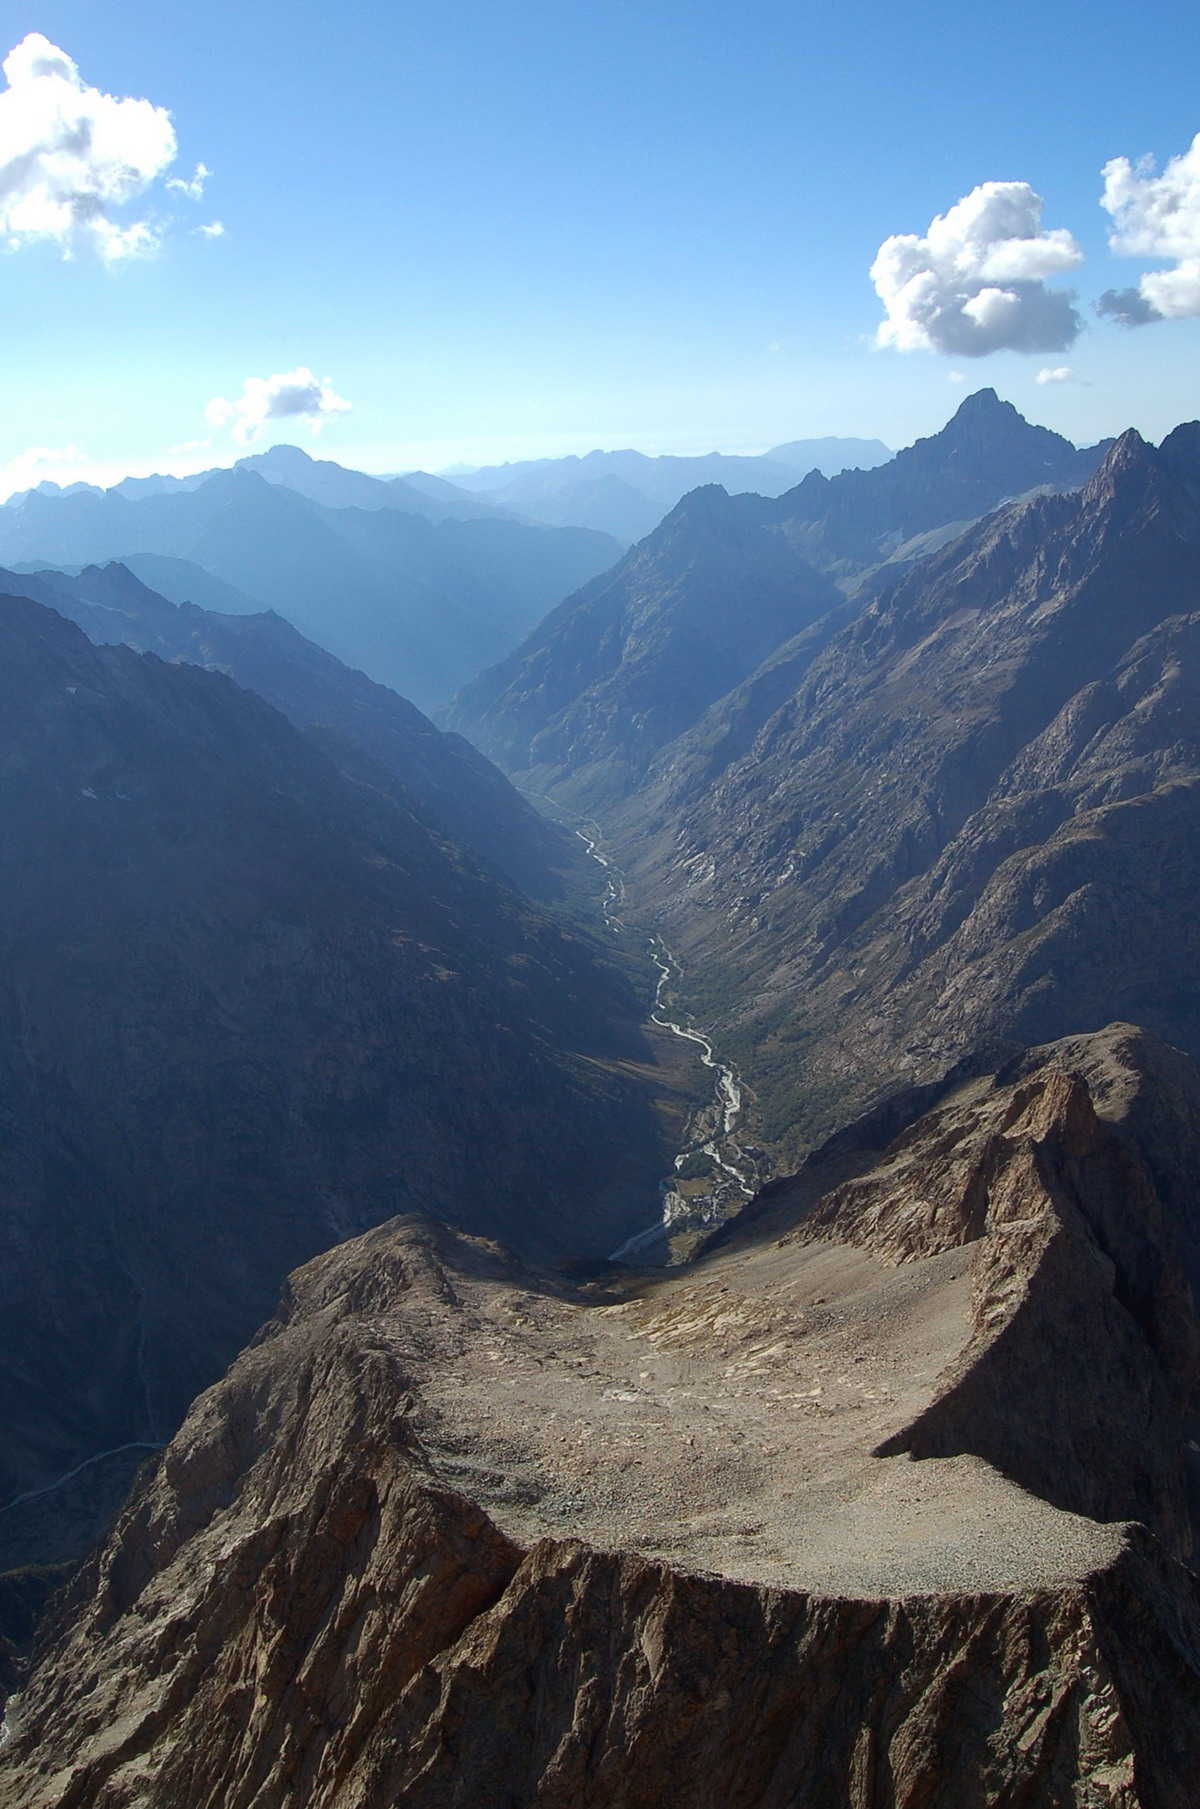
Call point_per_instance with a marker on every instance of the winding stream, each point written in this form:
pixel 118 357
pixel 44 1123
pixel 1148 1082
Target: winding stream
pixel 713 1174
pixel 52 1488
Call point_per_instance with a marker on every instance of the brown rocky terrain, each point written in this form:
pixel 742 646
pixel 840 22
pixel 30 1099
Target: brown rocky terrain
pixel 882 1502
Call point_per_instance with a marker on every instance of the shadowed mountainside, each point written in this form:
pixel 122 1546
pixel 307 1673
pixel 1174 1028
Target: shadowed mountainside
pixel 460 791
pixel 254 1003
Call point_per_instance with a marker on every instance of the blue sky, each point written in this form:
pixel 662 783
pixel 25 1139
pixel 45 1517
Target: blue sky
pixel 503 231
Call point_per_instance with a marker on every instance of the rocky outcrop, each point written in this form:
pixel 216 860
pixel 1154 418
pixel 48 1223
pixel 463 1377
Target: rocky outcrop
pixel 1081 1309
pixel 454 1532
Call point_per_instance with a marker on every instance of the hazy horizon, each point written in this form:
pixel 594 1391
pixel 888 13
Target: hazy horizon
pixel 535 233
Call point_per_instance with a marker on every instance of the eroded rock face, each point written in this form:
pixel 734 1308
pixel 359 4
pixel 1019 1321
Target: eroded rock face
pixel 378 1563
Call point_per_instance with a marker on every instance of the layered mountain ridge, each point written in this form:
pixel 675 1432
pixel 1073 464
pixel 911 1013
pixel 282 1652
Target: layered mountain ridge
pixel 634 660
pixel 969 821
pixel 627 493
pixel 419 604
pixel 320 480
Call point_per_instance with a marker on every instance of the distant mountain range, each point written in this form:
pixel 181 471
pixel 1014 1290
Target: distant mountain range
pixel 727 582
pixel 627 493
pixel 420 604
pixel 321 480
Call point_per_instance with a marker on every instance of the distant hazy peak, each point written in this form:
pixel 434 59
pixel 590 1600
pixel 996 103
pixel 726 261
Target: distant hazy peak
pixel 283 458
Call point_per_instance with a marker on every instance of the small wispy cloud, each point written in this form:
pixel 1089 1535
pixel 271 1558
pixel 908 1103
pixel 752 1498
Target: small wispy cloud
pixel 71 155
pixel 39 464
pixel 191 186
pixel 288 395
pixel 1059 373
pixel 72 464
pixel 974 282
pixel 214 230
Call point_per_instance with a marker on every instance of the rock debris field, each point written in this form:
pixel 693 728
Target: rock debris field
pixel 724 1420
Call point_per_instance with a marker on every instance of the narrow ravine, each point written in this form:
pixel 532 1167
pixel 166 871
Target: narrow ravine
pixel 713 1174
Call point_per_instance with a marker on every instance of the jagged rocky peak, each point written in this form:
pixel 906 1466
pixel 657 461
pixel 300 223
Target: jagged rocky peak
pixel 1181 449
pixel 989 440
pixel 925 1397
pixel 1134 474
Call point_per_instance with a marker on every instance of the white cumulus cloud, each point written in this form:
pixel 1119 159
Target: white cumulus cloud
pixel 214 230
pixel 70 155
pixel 1155 215
pixel 1059 373
pixel 975 281
pixel 289 395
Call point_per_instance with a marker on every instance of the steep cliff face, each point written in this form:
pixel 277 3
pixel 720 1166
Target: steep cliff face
pixel 451 1532
pixel 251 1006
pixel 969 825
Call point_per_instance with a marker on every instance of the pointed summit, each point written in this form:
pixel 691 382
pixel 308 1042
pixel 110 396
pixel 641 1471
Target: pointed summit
pixel 981 402
pixel 1129 464
pixel 1128 452
pixel 989 443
